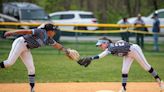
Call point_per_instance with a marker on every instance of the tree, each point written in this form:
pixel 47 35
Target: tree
pixel 128 7
pixel 137 7
pixel 107 11
pixel 155 4
pixel 1 2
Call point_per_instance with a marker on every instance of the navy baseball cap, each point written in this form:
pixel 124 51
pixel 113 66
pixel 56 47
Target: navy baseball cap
pixel 155 15
pixel 50 26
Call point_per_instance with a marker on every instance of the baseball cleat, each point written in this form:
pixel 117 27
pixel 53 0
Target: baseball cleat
pixel 122 90
pixel 161 85
pixel 32 90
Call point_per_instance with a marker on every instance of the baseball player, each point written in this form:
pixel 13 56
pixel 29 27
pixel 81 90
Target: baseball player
pixel 129 52
pixel 21 46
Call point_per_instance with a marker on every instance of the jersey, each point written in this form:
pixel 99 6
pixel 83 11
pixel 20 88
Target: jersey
pixel 120 48
pixel 156 25
pixel 38 38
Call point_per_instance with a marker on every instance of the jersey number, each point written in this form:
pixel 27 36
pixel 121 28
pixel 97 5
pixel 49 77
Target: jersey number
pixel 119 44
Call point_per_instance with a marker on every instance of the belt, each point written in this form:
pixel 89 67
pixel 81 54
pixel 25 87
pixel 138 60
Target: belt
pixel 27 45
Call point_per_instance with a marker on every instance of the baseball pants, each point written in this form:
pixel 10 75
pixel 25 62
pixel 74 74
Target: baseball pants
pixel 137 54
pixel 19 49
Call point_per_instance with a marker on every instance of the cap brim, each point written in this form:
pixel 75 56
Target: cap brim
pixel 99 42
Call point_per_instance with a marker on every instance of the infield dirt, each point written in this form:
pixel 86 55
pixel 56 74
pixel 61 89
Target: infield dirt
pixel 80 87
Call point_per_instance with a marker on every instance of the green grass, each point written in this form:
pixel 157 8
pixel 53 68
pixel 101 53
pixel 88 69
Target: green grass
pixel 53 66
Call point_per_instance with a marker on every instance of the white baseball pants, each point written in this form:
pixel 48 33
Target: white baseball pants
pixel 19 49
pixel 137 54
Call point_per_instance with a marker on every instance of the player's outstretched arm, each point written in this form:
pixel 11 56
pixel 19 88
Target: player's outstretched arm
pixel 70 53
pixel 59 47
pixel 85 61
pixel 10 33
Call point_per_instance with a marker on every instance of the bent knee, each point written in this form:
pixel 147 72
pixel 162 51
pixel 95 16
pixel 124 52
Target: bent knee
pixel 147 68
pixel 8 63
pixel 31 71
pixel 125 71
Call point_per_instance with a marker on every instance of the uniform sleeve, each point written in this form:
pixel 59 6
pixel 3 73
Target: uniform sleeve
pixel 104 53
pixel 51 41
pixel 35 31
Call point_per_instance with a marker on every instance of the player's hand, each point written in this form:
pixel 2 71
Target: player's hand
pixel 72 54
pixel 85 61
pixel 8 34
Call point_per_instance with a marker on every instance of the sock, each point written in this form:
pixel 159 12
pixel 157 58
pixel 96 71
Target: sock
pixel 124 80
pixel 2 65
pixel 32 81
pixel 154 74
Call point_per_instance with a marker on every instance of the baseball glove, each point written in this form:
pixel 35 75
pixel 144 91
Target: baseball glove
pixel 85 61
pixel 73 54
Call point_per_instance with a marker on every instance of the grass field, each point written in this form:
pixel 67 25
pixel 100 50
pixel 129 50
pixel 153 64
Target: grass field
pixel 53 66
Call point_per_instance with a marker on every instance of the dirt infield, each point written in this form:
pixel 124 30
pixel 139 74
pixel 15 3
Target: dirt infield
pixel 80 87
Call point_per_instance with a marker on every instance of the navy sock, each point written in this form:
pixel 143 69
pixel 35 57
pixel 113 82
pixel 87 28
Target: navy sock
pixel 124 80
pixel 154 74
pixel 32 81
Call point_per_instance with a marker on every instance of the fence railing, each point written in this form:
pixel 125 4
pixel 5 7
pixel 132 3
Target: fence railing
pixel 126 28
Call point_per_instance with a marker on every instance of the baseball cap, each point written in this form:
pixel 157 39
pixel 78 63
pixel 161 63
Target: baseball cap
pixel 155 15
pixel 99 42
pixel 49 26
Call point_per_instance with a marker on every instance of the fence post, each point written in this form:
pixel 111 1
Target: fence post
pixel 76 38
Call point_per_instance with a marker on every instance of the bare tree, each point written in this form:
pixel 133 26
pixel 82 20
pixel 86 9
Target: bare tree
pixel 137 7
pixel 155 4
pixel 92 6
pixel 102 10
pixel 66 4
pixel 128 7
pixel 1 2
pixel 81 4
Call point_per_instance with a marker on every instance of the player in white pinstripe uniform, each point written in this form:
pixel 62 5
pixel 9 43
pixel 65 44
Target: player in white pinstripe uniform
pixel 129 53
pixel 34 38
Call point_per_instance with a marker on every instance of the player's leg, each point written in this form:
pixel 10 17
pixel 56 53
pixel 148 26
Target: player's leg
pixel 17 48
pixel 156 47
pixel 139 56
pixel 28 61
pixel 127 61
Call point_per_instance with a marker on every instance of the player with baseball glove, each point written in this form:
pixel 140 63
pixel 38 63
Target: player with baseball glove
pixel 129 52
pixel 31 39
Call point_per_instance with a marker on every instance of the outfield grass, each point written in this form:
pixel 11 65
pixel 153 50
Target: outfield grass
pixel 53 66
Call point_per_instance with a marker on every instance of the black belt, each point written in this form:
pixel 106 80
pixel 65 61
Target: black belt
pixel 27 45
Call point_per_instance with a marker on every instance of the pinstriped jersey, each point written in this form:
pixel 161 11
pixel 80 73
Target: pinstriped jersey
pixel 38 38
pixel 120 48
